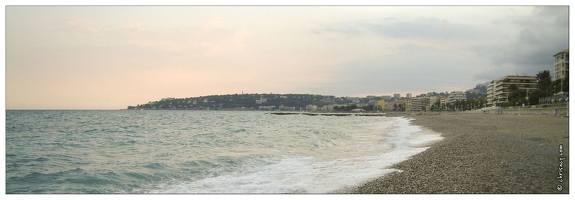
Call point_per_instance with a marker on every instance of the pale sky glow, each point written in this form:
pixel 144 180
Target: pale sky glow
pixel 110 57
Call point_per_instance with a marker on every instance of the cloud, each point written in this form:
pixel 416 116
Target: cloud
pixel 193 41
pixel 82 26
pixel 530 48
pixel 133 26
pixel 395 55
pixel 413 68
pixel 560 14
pixel 420 28
pixel 207 40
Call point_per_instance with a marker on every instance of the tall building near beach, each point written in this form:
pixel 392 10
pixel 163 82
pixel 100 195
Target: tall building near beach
pixel 491 93
pixel 498 90
pixel 456 96
pixel 408 95
pixel 562 64
pixel 396 96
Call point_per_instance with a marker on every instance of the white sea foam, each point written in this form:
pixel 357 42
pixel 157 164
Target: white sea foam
pixel 324 171
pixel 202 152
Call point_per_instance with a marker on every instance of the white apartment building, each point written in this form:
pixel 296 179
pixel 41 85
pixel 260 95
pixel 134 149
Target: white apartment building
pixel 562 64
pixel 501 87
pixel 491 93
pixel 456 96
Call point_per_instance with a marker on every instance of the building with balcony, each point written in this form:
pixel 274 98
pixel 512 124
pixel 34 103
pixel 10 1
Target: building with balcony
pixel 501 87
pixel 417 104
pixel 562 64
pixel 456 96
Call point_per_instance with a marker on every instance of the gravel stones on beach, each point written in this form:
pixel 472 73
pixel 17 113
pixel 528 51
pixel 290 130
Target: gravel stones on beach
pixel 494 154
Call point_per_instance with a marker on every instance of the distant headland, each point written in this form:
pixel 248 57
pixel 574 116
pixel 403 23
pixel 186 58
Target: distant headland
pixel 298 102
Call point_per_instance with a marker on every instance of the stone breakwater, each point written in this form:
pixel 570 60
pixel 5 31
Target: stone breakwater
pixel 329 114
pixel 495 154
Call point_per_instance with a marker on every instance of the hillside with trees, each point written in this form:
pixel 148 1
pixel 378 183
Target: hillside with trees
pixel 241 102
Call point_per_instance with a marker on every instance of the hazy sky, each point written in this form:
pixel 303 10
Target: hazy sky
pixel 109 57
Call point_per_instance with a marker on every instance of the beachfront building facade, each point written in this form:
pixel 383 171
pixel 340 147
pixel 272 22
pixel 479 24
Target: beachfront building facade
pixel 491 93
pixel 432 103
pixel 424 102
pixel 443 100
pixel 562 64
pixel 415 105
pixel 501 87
pixel 456 96
pixel 408 105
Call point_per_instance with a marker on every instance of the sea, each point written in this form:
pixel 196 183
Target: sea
pixel 201 152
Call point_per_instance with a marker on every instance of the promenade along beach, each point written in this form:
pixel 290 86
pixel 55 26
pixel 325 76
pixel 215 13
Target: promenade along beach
pixel 485 153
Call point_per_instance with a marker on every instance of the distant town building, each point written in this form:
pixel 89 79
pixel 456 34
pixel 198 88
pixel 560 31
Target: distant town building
pixel 432 102
pixel 266 107
pixel 443 100
pixel 408 105
pixel 415 105
pixel 381 104
pixel 288 108
pixel 327 108
pixel 396 96
pixel 408 95
pixel 261 100
pixel 562 64
pixel 311 107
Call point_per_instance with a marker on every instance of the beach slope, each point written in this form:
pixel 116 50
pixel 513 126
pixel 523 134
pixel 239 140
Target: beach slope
pixel 483 153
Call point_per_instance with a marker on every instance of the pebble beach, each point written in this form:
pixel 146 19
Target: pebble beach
pixel 484 154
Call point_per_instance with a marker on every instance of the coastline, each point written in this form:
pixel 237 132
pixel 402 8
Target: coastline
pixel 482 154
